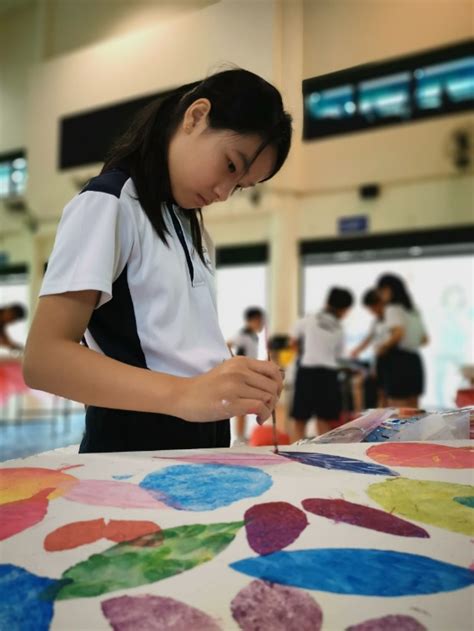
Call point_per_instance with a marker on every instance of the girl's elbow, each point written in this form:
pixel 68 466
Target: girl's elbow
pixel 32 369
pixel 30 375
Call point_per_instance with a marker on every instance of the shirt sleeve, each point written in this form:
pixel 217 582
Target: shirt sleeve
pixel 92 245
pixel 394 316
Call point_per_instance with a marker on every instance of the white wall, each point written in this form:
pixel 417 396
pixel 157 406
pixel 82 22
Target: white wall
pixel 343 33
pixel 401 206
pixel 166 55
pixel 72 25
pixel 18 48
pixel 339 34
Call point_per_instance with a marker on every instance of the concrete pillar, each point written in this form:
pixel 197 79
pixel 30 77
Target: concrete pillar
pixel 284 261
pixel 284 265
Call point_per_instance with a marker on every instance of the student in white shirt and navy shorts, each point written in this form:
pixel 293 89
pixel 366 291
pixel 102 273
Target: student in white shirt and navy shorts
pixel 127 319
pixel 319 339
pixel 245 343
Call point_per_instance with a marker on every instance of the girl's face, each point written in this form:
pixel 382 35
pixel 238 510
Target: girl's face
pixel 385 294
pixel 207 165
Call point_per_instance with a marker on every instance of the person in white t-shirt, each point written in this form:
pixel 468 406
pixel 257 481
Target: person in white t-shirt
pixel 376 337
pixel 245 343
pixel 403 367
pixel 319 339
pixel 132 275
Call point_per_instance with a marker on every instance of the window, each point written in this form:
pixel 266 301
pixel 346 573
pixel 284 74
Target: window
pixel 385 98
pixel 443 85
pixel 13 175
pixel 241 282
pixel 433 83
pixel 86 137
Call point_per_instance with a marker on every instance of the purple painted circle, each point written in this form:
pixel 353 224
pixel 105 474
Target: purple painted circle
pixel 263 605
pixel 130 613
pixel 273 526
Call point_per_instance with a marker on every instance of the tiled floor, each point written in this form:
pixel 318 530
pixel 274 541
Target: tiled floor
pixel 18 440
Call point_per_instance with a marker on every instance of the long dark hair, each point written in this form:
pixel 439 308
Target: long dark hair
pixel 400 295
pixel 241 102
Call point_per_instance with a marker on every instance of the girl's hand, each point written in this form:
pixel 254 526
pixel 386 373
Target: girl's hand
pixel 236 387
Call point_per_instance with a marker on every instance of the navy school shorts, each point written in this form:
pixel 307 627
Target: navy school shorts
pixel 403 374
pixel 317 393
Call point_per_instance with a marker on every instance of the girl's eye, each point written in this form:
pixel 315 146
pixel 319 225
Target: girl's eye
pixel 231 167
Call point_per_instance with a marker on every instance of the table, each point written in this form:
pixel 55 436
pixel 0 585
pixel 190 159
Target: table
pixel 326 536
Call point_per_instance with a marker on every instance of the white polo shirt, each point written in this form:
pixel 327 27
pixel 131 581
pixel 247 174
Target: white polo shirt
pixel 157 306
pixel 413 327
pixel 322 337
pixel 379 333
pixel 245 342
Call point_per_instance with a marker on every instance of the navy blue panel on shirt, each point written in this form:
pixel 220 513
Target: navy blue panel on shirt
pixel 109 182
pixel 182 240
pixel 114 327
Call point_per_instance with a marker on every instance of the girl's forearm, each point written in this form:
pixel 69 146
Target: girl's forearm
pixel 362 346
pixel 81 374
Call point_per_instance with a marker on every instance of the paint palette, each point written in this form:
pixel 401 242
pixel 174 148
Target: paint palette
pixel 342 536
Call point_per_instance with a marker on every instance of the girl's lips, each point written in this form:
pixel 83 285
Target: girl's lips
pixel 202 200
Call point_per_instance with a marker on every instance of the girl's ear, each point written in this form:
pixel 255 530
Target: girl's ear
pixel 195 117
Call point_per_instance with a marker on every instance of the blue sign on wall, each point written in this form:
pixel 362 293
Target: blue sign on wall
pixel 353 225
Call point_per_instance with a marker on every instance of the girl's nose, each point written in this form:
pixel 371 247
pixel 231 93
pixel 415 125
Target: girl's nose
pixel 223 191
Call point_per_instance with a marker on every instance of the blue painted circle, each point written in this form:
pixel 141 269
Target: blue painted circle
pixel 203 487
pixel 25 600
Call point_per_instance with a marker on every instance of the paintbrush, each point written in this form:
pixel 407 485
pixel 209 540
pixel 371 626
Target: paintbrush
pixel 274 429
pixel 274 433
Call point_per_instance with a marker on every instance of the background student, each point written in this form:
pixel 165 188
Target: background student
pixel 132 274
pixel 319 339
pixel 376 336
pixel 245 343
pixel 403 368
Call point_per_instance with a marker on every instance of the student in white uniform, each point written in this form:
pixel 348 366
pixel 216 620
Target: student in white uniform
pixel 403 367
pixel 132 275
pixel 376 337
pixel 245 343
pixel 319 338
